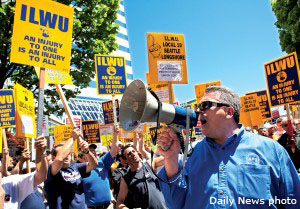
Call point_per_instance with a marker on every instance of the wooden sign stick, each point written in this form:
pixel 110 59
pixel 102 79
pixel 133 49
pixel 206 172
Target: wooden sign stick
pixel 290 125
pixel 40 114
pixel 114 110
pixel 170 89
pixel 66 107
pixel 27 161
pixel 41 102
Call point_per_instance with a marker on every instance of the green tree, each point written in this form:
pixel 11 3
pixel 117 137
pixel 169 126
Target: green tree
pixel 288 24
pixel 94 31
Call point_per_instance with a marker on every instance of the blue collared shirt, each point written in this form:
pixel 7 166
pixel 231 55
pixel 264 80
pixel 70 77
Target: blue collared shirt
pixel 247 171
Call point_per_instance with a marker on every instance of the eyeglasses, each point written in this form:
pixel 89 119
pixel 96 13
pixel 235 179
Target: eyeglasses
pixel 208 104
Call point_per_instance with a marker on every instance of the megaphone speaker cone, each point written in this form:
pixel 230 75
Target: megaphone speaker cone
pixel 139 105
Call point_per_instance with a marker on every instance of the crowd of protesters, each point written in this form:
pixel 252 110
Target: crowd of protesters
pixel 130 176
pixel 61 179
pixel 280 133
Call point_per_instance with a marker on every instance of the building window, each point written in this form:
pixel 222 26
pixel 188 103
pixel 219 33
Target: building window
pixel 120 35
pixel 121 13
pixel 124 49
pixel 121 24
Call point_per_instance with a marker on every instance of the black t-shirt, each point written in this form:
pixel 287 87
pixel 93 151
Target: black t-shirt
pixel 116 176
pixel 65 189
pixel 295 156
pixel 144 188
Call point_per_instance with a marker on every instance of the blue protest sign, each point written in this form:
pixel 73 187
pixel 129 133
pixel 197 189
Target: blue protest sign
pixel 111 74
pixel 282 77
pixel 108 112
pixel 7 109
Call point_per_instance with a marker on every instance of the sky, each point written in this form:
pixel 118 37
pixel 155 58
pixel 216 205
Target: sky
pixel 225 40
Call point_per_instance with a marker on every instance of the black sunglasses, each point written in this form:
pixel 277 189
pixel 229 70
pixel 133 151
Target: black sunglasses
pixel 208 104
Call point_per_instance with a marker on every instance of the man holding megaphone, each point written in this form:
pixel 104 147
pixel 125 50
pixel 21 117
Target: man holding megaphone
pixel 230 167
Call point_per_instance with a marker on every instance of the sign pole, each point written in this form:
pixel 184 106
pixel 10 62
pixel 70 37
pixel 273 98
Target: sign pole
pixel 170 89
pixel 41 102
pixel 66 107
pixel 114 110
pixel 40 112
pixel 290 125
pixel 27 161
pixel 287 107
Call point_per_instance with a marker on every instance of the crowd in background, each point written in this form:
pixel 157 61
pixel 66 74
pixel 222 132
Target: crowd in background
pixel 122 176
pixel 279 132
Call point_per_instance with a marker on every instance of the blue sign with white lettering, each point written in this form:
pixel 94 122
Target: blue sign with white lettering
pixel 7 109
pixel 111 75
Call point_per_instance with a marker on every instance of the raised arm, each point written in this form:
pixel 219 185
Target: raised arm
pixel 5 158
pixel 114 147
pixel 91 158
pixel 141 149
pixel 41 173
pixel 61 155
pixel 122 195
pixel 18 168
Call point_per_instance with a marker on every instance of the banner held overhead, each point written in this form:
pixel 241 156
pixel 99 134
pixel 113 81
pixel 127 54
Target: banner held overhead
pixel 56 76
pixel 167 59
pixel 264 103
pixel 108 112
pixel 7 109
pixel 42 34
pixel 282 77
pixel 111 74
pixel 91 131
pixel 25 114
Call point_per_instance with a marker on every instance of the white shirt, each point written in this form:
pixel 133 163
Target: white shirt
pixel 18 187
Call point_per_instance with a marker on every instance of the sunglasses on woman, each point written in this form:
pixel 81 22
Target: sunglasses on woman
pixel 208 104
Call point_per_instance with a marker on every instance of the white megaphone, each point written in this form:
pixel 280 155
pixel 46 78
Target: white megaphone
pixel 138 105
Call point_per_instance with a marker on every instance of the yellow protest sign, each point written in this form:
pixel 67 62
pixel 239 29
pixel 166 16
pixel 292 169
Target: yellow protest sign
pixel 56 76
pixel 283 83
pixel 62 134
pixel 124 134
pixel 106 134
pixel 42 34
pixel 153 130
pixel 200 89
pixel 25 113
pixel 167 59
pixel 263 103
pixel 161 90
pixel 250 111
pixel 106 140
pixel 110 74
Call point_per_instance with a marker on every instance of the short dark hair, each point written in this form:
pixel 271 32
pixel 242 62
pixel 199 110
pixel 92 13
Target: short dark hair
pixel 120 156
pixel 53 151
pixel 126 147
pixel 92 146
